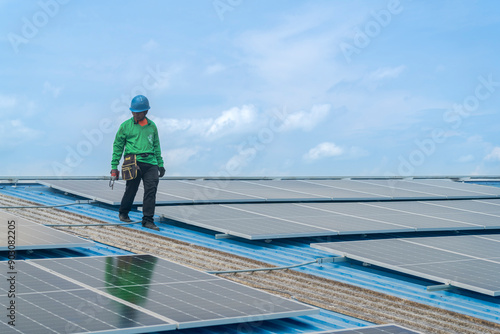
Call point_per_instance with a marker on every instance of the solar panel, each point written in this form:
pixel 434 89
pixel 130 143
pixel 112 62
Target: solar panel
pixel 468 261
pixel 437 188
pixel 286 220
pixel 294 189
pixel 385 189
pixel 141 293
pixel 230 191
pixel 412 189
pixel 47 303
pixel 100 190
pixel 378 329
pixel 463 188
pixel 22 234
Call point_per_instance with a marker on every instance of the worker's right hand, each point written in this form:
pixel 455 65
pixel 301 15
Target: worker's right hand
pixel 115 174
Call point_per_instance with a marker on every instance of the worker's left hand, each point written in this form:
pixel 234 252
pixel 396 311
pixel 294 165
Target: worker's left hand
pixel 162 171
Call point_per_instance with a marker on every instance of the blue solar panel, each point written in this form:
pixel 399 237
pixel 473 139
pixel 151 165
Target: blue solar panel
pixel 468 261
pixel 132 294
pixel 231 191
pixel 21 234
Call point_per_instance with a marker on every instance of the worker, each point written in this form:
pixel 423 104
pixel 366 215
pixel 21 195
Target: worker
pixel 137 139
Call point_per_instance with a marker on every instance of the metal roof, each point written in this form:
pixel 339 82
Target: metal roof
pixel 280 253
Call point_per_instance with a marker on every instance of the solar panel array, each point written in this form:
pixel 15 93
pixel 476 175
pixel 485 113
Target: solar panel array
pixel 22 234
pixel 286 220
pixel 271 209
pixel 378 329
pixel 231 191
pixel 468 261
pixel 131 294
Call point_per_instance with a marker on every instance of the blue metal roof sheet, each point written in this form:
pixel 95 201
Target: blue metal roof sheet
pixel 281 253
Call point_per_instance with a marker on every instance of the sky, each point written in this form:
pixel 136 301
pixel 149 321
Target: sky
pixel 254 88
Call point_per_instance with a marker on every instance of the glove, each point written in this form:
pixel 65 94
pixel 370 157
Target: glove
pixel 162 171
pixel 115 174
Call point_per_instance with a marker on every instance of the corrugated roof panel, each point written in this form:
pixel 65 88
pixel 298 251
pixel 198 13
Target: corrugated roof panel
pixel 287 252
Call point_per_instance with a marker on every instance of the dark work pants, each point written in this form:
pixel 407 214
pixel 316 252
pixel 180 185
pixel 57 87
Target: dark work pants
pixel 149 175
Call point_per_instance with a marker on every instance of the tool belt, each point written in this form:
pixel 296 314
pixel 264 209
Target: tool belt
pixel 129 167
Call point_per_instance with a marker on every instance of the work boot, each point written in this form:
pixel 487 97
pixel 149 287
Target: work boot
pixel 150 225
pixel 124 217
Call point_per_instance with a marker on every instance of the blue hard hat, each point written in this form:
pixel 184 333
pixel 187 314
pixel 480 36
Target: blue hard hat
pixel 139 103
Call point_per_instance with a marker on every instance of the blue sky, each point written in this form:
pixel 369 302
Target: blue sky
pixel 254 88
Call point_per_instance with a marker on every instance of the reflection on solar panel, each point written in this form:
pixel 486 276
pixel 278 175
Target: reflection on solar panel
pixel 132 294
pixel 380 329
pixel 468 261
pixel 23 234
pixel 231 191
pixel 285 220
pixel 47 303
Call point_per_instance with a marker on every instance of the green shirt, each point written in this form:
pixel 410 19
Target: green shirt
pixel 132 138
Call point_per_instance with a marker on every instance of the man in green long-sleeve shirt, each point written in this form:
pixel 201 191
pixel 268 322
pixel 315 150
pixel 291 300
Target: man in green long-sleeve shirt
pixel 139 135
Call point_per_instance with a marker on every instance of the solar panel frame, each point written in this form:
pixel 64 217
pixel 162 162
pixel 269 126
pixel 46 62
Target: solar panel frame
pixel 28 235
pixel 467 261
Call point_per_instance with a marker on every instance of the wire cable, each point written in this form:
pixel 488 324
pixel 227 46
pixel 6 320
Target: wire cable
pixel 47 206
pixel 84 225
pixel 263 269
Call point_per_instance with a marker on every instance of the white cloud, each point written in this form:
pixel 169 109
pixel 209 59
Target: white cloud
pixel 14 133
pixel 172 124
pixel 494 155
pixel 48 88
pixel 179 156
pixel 386 73
pixel 240 160
pixel 232 120
pixel 323 150
pixel 306 120
pixel 373 79
pixel 296 58
pixel 215 68
pixel 235 120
